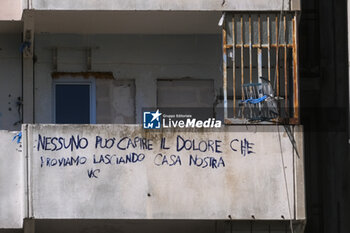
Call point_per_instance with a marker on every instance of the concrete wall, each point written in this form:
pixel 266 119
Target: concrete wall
pixel 195 5
pixel 115 101
pixel 141 59
pixel 10 9
pixel 186 93
pixel 12 185
pixel 247 179
pixel 10 80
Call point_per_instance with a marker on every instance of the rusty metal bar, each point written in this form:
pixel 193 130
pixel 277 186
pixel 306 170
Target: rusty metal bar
pixel 250 51
pixel 224 69
pixel 234 65
pixel 295 72
pixel 285 67
pixel 54 59
pixel 255 46
pixel 88 59
pixel 268 49
pixel 259 51
pixel 242 59
pixel 277 65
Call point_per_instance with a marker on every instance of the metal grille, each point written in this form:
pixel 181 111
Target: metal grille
pixel 260 45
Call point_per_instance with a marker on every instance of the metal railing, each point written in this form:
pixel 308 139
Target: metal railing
pixel 257 45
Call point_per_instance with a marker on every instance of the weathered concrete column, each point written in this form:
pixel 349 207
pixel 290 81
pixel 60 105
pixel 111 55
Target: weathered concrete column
pixel 28 71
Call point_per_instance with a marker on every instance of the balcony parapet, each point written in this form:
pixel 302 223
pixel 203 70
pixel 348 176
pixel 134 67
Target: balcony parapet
pixel 164 5
pixel 127 172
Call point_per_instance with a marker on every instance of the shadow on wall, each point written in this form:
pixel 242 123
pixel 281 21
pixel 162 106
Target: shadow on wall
pixel 155 226
pixel 11 231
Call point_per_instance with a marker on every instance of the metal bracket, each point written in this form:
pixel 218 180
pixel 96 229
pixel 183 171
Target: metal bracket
pixel 88 58
pixel 54 59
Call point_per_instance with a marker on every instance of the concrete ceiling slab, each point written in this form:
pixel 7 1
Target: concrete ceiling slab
pixel 127 22
pixel 10 27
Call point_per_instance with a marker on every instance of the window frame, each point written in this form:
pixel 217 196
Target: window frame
pixel 76 81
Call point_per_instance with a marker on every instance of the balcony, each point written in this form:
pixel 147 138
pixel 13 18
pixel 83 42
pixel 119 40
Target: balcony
pixel 116 170
pixel 260 68
pixel 127 172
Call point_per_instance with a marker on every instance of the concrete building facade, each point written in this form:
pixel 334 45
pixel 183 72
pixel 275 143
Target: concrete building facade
pixel 76 80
